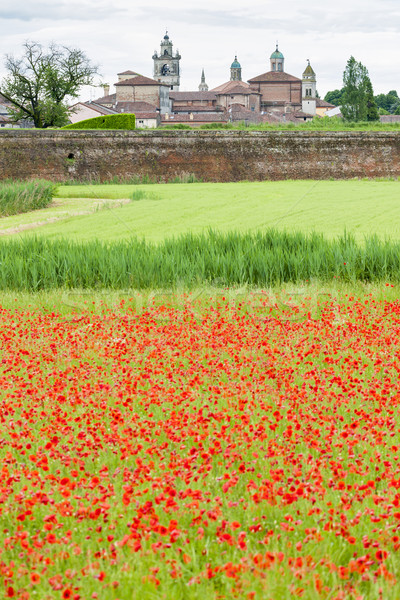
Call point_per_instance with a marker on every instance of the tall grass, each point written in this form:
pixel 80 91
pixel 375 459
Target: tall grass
pixel 136 180
pixel 22 196
pixel 316 124
pixel 261 259
pixel 322 124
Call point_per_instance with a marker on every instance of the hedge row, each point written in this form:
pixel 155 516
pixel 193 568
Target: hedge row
pixel 121 121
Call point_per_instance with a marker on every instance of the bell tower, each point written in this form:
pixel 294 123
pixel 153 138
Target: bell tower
pixel 309 90
pixel 166 64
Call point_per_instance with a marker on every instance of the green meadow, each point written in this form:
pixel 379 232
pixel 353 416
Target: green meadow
pixel 159 211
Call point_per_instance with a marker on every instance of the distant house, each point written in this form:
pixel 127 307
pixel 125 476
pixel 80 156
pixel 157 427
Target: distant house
pixel 195 119
pixel 5 120
pixel 323 107
pixel 146 114
pixel 193 102
pixel 237 92
pixel 87 110
pixel 333 112
pixel 389 118
pixel 143 89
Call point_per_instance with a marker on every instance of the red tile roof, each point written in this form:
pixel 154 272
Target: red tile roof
pixel 139 80
pixel 272 76
pixel 147 115
pixel 299 114
pixel 187 96
pixel 237 89
pixel 128 73
pixel 135 107
pixel 110 99
pixel 207 118
pixel 239 113
pixel 228 85
pixel 102 110
pixel 189 108
pixel 324 104
pixel 98 107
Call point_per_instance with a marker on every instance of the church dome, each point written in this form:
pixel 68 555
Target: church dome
pixel 235 64
pixel 276 54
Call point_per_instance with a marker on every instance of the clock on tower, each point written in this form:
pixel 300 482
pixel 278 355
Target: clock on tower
pixel 166 64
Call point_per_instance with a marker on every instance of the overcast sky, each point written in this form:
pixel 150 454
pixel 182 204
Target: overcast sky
pixel 122 34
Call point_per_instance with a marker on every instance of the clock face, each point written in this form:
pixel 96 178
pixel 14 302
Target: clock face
pixel 165 70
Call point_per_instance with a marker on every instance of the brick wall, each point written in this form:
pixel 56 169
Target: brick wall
pixel 125 93
pixel 284 92
pixel 209 155
pixel 147 93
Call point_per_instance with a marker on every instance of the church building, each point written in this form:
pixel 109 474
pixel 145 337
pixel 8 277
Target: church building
pixel 236 91
pixel 272 96
pixel 279 90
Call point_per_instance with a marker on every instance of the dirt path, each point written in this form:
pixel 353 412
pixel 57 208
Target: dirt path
pixel 98 205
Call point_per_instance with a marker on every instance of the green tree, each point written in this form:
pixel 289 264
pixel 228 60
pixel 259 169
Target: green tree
pixel 40 83
pixel 334 97
pixel 354 101
pixel 388 102
pixel 372 109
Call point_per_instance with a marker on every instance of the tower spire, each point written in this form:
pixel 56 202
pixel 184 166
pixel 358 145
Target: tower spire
pixel 203 87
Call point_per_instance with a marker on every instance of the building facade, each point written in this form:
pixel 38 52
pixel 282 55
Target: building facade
pixel 272 96
pixel 279 90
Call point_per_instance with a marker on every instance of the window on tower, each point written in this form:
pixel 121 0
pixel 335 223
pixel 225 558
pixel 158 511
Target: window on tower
pixel 279 67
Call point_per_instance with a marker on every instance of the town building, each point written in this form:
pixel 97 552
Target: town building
pixel 273 96
pixel 280 91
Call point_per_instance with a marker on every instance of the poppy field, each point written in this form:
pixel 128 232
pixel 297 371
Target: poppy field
pixel 201 449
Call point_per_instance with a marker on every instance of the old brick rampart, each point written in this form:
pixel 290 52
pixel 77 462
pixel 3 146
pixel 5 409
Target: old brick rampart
pixel 214 155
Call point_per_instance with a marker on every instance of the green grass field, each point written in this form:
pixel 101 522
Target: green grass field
pixel 329 207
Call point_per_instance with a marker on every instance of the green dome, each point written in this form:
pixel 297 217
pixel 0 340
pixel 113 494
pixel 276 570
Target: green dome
pixel 235 64
pixel 277 54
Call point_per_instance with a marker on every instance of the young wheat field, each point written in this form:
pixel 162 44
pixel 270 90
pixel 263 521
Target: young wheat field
pixel 159 211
